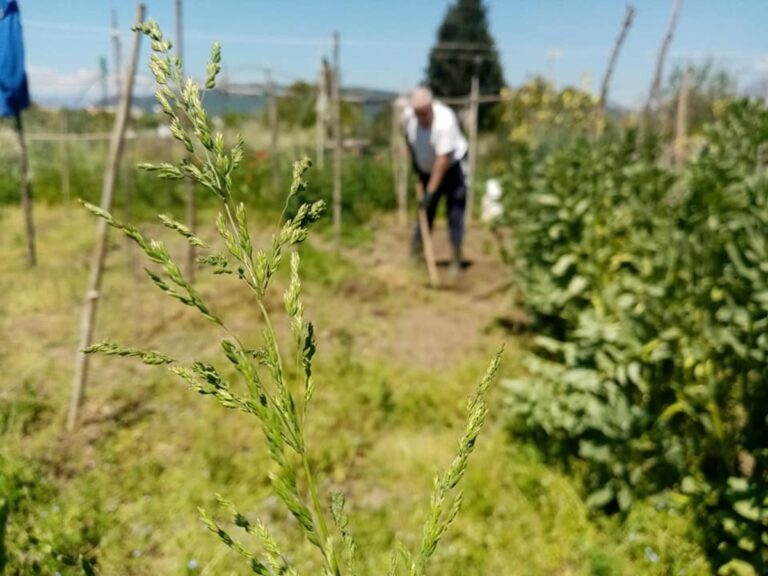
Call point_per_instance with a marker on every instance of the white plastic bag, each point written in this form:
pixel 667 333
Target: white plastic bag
pixel 492 208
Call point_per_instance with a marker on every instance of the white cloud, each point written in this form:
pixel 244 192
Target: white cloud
pixel 761 64
pixel 75 87
pixel 46 82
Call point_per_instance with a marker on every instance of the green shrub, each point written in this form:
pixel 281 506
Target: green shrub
pixel 648 290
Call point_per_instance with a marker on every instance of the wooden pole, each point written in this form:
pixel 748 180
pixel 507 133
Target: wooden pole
pixel 104 89
pixel 625 25
pixel 681 125
pixel 88 318
pixel 399 162
pixel 474 96
pixel 426 239
pixel 64 156
pixel 133 261
pixel 321 114
pixel 273 127
pixel 189 187
pixel 224 87
pixel 117 54
pixel 405 174
pixel 653 96
pixel 26 190
pixel 337 151
pixel 134 257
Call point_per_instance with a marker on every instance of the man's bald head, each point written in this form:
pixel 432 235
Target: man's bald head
pixel 421 97
pixel 421 101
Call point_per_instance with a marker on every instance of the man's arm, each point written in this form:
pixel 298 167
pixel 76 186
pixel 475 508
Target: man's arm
pixel 440 167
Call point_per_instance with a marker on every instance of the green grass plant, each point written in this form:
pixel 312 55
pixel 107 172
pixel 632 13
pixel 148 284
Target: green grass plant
pixel 148 455
pixel 268 394
pixel 122 496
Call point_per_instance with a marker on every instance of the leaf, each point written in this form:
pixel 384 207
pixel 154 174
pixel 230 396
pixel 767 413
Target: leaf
pixel 601 497
pixel 563 264
pixel 172 224
pixel 546 199
pixel 747 509
pixel 577 286
pixel 681 406
pixel 738 484
pixel 738 263
pixel 151 357
pixel 308 353
pixel 747 544
pixel 624 498
pixel 592 451
pixel 737 567
pixel 690 486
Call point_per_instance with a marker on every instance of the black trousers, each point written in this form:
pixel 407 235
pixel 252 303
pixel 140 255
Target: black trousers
pixel 454 190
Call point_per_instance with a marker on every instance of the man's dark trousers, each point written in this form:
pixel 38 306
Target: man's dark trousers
pixel 455 191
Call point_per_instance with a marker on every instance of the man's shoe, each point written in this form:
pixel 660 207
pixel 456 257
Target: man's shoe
pixel 454 270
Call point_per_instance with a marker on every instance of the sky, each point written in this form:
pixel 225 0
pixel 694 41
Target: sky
pixel 385 43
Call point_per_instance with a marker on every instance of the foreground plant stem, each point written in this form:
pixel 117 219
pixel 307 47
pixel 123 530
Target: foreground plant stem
pixel 280 410
pixel 318 510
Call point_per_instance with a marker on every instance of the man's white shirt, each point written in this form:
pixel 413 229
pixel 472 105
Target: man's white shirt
pixel 443 137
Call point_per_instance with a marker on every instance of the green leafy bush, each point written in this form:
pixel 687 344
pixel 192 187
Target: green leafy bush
pixel 367 187
pixel 648 290
pixel 367 181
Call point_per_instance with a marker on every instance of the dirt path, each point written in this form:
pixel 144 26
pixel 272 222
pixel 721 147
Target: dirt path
pixel 377 307
pixel 396 315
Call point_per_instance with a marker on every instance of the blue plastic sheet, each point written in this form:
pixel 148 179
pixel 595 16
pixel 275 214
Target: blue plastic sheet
pixel 14 93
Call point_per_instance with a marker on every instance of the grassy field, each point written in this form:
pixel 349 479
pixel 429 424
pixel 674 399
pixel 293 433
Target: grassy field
pixel 396 362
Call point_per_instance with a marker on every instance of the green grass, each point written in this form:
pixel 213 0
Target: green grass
pixel 124 491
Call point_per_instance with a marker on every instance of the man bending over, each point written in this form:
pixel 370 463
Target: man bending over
pixel 437 148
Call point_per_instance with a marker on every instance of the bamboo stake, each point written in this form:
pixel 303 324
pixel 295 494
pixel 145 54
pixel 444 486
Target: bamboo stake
pixel 26 191
pixel 628 18
pixel 321 111
pixel 88 318
pixel 337 151
pixel 399 163
pixel 394 141
pixel 134 259
pixel 117 54
pixel 660 59
pixel 64 158
pixel 405 174
pixel 426 239
pixel 64 170
pixel 273 127
pixel 104 89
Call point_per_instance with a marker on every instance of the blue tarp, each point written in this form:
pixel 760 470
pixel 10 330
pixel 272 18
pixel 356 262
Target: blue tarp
pixel 14 94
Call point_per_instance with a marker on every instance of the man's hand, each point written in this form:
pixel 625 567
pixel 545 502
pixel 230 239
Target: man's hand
pixel 427 199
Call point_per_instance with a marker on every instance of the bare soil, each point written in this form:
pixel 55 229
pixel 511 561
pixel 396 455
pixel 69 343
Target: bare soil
pixel 402 319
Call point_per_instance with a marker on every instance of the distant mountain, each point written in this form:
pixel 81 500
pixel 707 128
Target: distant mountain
pixel 758 89
pixel 216 102
pixel 251 99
